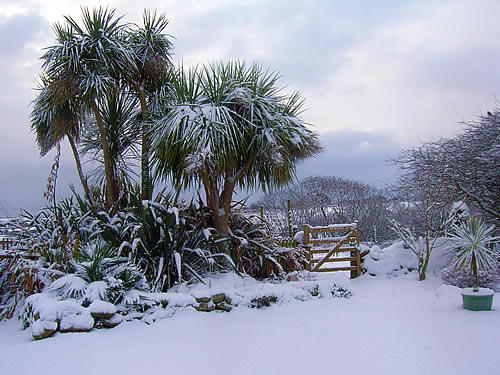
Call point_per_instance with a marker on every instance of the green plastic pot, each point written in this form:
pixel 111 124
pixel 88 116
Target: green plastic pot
pixel 480 300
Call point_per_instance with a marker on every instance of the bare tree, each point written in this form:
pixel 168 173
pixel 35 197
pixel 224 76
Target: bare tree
pixel 423 211
pixel 473 173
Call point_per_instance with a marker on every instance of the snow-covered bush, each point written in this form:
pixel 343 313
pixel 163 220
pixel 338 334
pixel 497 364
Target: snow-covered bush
pixel 464 279
pixel 19 278
pixel 397 259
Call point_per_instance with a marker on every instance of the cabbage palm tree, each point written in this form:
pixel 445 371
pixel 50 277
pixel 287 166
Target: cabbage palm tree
pixel 121 119
pixel 84 66
pixel 53 120
pixel 151 49
pixel 228 126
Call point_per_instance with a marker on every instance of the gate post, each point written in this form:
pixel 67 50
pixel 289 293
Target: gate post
pixel 307 247
pixel 356 254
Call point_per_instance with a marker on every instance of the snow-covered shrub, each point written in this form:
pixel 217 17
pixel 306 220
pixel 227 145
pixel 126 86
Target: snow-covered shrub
pixel 170 241
pixel 340 291
pixel 397 259
pixel 19 277
pixel 55 233
pixel 464 279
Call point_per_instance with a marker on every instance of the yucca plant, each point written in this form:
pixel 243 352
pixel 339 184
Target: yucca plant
pixel 471 241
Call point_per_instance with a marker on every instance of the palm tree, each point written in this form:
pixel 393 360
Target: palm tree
pixel 121 119
pixel 55 117
pixel 228 126
pixel 85 64
pixel 151 50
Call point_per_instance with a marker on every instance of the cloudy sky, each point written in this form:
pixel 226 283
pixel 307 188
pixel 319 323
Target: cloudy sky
pixel 377 76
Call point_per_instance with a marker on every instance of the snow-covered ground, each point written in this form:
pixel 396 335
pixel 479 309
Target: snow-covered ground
pixel 389 326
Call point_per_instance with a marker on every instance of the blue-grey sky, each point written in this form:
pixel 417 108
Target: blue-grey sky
pixel 377 76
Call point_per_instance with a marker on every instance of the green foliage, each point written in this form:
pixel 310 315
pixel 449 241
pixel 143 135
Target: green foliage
pixel 151 49
pixel 255 253
pixel 227 115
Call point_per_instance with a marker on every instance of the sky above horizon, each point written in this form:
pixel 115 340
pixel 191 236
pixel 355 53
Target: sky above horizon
pixel 377 76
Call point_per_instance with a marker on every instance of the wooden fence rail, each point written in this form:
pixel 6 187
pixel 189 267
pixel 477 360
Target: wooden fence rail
pixel 346 243
pixel 6 243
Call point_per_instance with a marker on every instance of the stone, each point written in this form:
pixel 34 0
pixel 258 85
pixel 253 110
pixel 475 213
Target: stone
pixel 229 301
pixel 205 307
pixel 223 307
pixel 218 298
pixel 43 329
pixel 102 310
pixel 203 299
pixel 101 316
pixel 113 322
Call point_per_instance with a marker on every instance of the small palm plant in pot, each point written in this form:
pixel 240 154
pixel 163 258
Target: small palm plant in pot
pixel 471 242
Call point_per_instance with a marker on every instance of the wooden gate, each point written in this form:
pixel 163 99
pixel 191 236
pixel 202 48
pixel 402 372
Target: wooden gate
pixel 318 255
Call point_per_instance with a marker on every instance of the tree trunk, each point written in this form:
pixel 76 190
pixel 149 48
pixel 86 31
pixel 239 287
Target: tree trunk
pixel 221 224
pixel 145 170
pixel 111 191
pixel 422 271
pixel 78 163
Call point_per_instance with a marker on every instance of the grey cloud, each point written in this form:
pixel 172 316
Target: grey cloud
pixel 354 154
pixel 308 38
pixel 18 30
pixel 25 183
pixel 465 69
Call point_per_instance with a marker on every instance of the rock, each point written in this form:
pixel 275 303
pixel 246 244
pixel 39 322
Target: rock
pixel 223 307
pixel 229 301
pixel 205 307
pixel 113 322
pixel 41 329
pixel 203 299
pixel 218 298
pixel 263 301
pixel 102 310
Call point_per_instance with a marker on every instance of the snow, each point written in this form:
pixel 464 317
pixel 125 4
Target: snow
pixel 395 259
pixel 51 310
pixel 481 292
pixel 389 326
pixel 79 321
